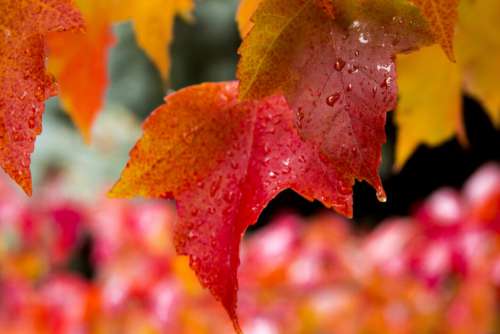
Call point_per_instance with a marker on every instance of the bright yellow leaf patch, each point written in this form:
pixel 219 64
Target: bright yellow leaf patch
pixel 153 22
pixel 478 49
pixel 244 15
pixel 430 108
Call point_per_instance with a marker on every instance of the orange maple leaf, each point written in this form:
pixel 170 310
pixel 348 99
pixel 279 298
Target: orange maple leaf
pixel 442 16
pixel 24 84
pixel 79 61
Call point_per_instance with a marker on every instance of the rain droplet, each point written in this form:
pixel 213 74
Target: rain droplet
pixel 229 196
pixel 386 83
pixel 300 117
pixel 332 99
pixel 356 24
pixel 363 39
pixel 286 170
pixel 215 187
pixel 339 65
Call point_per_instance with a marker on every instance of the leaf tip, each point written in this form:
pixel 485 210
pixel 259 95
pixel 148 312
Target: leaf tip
pixel 381 196
pixel 86 136
pixel 116 191
pixel 236 325
pixel 28 189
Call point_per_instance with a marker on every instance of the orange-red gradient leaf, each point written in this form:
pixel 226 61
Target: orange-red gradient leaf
pixel 78 60
pixel 24 84
pixel 223 161
pixel 442 16
pixel 337 75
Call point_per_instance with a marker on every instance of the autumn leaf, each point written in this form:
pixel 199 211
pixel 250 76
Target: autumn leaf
pixel 327 7
pixel 223 161
pixel 337 75
pixel 24 85
pixel 244 15
pixel 248 7
pixel 430 108
pixel 153 22
pixel 79 62
pixel 478 48
pixel 442 16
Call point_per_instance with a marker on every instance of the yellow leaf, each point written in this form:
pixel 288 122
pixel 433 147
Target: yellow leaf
pixel 478 49
pixel 429 110
pixel 153 22
pixel 244 15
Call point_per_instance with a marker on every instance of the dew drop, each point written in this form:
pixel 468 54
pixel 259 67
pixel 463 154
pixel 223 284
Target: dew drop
pixel 215 187
pixel 286 170
pixel 300 117
pixel 339 65
pixel 381 196
pixel 362 38
pixel 229 196
pixel 386 83
pixel 332 99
